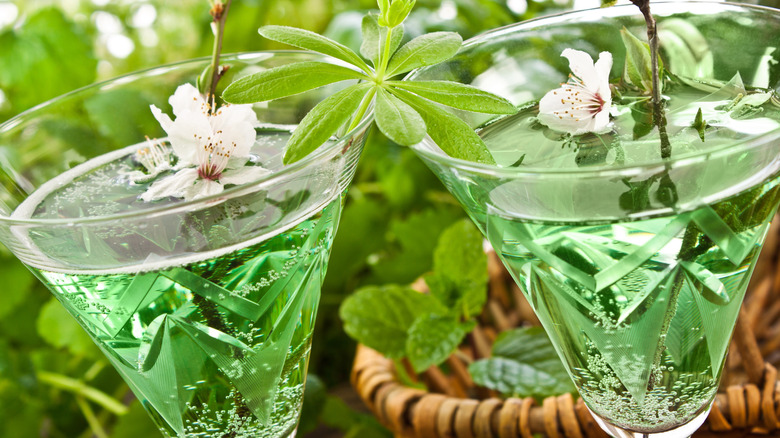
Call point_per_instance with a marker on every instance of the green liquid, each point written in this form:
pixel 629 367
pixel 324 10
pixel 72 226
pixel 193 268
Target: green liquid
pixel 214 344
pixel 639 299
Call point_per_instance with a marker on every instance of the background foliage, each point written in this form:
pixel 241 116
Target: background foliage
pixel 53 380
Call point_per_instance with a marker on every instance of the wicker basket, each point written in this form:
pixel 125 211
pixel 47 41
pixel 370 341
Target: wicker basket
pixel 748 403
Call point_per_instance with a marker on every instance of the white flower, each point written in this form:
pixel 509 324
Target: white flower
pixel 212 148
pixel 581 105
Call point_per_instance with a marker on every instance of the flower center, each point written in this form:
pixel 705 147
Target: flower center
pixel 214 156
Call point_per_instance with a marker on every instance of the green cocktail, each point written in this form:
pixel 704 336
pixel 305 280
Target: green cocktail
pixel 636 264
pixel 205 306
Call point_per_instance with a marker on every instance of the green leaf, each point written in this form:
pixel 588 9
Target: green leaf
pixel 699 124
pixel 323 121
pixel 57 327
pixel 309 40
pixel 453 135
pixel 374 38
pixel 638 69
pixel 18 282
pixel 608 3
pixel 428 49
pixel 287 80
pixel 397 120
pixel 524 364
pixel 47 56
pixel 460 96
pixel 460 276
pixel 380 316
pixel 433 338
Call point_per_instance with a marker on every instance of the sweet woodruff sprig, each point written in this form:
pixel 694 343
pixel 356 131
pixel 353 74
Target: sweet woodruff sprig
pixel 404 110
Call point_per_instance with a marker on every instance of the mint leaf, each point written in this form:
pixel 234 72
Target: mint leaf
pixel 323 121
pixel 397 120
pixel 524 364
pixel 287 80
pixel 456 138
pixel 428 49
pixel 380 316
pixel 433 338
pixel 460 275
pixel 638 69
pixel 374 37
pixel 460 96
pixel 57 327
pixel 308 40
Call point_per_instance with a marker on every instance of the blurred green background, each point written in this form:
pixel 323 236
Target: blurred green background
pixel 53 380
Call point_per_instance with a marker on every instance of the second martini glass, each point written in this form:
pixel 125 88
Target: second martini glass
pixel 635 264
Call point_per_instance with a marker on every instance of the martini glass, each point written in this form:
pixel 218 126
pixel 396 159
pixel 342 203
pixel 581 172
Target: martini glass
pixel 205 307
pixel 635 265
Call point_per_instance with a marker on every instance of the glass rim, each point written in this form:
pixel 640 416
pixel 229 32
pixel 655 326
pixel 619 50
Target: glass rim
pixel 625 170
pixel 318 155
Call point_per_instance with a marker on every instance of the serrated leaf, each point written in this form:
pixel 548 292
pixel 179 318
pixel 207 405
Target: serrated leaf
pixel 456 138
pixel 374 37
pixel 309 40
pixel 397 120
pixel 433 338
pixel 457 95
pixel 524 364
pixel 287 80
pixel 380 316
pixel 460 275
pixel 57 327
pixel 638 68
pixel 323 121
pixel 428 49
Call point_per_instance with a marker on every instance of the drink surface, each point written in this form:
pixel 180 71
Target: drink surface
pixel 214 343
pixel 639 296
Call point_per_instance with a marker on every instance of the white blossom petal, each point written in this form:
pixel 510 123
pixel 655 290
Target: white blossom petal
pixel 203 188
pixel 189 133
pixel 581 65
pixel 174 185
pixel 603 66
pixel 187 99
pixel 243 175
pixel 164 119
pixel 235 124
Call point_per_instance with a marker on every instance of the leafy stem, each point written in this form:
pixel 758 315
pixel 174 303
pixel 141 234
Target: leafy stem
pixel 385 54
pixel 405 111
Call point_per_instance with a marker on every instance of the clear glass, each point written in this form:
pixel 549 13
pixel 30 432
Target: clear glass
pixel 640 303
pixel 206 308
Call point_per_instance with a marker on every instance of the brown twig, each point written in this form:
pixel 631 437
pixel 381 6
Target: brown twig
pixel 219 12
